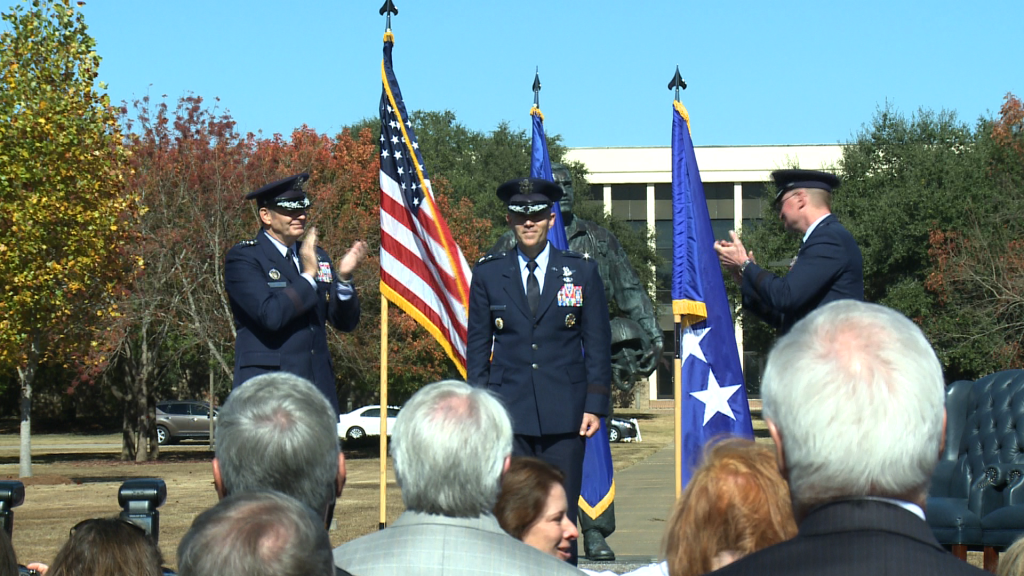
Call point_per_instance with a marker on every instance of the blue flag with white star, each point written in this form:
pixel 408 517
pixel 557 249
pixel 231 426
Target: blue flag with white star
pixel 598 488
pixel 713 398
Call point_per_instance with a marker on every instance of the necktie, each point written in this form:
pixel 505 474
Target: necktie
pixel 532 287
pixel 294 258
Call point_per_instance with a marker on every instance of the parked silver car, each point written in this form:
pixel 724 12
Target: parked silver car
pixel 183 419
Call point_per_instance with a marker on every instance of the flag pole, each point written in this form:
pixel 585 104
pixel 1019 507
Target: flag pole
pixel 677 405
pixel 388 8
pixel 678 84
pixel 383 413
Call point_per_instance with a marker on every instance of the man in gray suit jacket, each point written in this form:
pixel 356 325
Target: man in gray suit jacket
pixel 450 446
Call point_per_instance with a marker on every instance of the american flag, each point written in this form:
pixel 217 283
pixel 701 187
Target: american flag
pixel 422 269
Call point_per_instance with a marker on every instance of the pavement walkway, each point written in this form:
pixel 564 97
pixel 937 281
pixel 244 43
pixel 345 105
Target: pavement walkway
pixel 644 495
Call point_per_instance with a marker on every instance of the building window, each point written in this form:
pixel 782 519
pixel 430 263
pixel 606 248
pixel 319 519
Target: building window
pixel 629 201
pixel 718 190
pixel 663 272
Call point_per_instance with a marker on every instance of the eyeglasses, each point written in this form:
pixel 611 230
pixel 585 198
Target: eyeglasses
pixel 778 207
pixel 89 521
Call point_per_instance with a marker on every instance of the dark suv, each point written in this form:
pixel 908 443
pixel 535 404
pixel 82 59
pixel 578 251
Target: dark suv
pixel 183 419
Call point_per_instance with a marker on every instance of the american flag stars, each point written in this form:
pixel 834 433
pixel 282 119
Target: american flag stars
pixel 398 160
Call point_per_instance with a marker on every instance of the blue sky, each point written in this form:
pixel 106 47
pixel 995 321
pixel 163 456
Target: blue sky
pixel 758 72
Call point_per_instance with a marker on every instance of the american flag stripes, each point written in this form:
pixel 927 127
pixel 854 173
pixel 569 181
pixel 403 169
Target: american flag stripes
pixel 422 269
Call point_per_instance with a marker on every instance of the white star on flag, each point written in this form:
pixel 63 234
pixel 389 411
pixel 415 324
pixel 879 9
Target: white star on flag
pixel 691 343
pixel 715 397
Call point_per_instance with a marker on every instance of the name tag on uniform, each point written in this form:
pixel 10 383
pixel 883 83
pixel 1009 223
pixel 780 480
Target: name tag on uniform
pixel 324 273
pixel 495 307
pixel 570 295
pixel 277 284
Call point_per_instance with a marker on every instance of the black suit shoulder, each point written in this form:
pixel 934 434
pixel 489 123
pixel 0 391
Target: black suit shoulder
pixel 854 538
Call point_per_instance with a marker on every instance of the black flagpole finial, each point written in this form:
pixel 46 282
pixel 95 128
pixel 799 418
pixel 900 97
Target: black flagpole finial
pixel 678 83
pixel 536 88
pixel 389 9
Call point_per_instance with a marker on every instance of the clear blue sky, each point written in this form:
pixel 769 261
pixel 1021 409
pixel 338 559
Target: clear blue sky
pixel 758 72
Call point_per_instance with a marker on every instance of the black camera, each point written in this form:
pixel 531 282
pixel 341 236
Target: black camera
pixel 139 499
pixel 12 495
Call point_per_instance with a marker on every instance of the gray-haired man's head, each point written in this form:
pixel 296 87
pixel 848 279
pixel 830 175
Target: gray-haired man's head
pixel 263 533
pixel 277 432
pixel 450 445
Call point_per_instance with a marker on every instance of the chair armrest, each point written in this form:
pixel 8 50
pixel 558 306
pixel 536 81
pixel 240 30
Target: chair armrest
pixel 1013 494
pixel 986 494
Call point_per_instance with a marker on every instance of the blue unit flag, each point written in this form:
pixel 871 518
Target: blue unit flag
pixel 713 398
pixel 598 488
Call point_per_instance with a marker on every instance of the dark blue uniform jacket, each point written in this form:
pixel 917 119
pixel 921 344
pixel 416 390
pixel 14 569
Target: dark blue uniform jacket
pixel 280 318
pixel 539 368
pixel 828 267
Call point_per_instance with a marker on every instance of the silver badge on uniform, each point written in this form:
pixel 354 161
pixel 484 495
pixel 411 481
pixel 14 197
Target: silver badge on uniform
pixel 274 274
pixel 499 323
pixel 570 320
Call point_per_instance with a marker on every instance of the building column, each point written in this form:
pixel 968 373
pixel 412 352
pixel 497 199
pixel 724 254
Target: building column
pixel 652 380
pixel 737 221
pixel 607 198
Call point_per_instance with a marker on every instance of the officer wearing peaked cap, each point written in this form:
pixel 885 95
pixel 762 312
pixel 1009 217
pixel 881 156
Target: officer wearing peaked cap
pixel 544 314
pixel 283 292
pixel 828 266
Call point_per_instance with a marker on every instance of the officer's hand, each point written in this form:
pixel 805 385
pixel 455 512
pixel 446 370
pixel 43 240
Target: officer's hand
pixel 307 254
pixel 352 259
pixel 591 424
pixel 731 254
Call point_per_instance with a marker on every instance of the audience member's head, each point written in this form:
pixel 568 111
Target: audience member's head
pixel 278 432
pixel 736 503
pixel 8 561
pixel 532 507
pixel 107 547
pixel 1011 562
pixel 450 445
pixel 257 534
pixel 853 397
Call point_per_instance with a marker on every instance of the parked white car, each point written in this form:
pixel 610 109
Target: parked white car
pixel 365 421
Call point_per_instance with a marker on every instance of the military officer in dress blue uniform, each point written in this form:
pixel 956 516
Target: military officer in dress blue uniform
pixel 540 337
pixel 828 266
pixel 283 292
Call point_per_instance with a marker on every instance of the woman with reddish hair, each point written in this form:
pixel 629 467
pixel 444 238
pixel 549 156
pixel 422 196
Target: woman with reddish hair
pixel 736 503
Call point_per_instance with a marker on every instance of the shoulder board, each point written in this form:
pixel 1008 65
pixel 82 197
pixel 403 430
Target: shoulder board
pixel 572 254
pixel 491 257
pixel 247 243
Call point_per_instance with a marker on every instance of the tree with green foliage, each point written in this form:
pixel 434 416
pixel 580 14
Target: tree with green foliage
pixel 62 252
pixel 977 273
pixel 911 185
